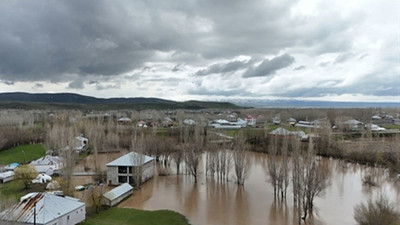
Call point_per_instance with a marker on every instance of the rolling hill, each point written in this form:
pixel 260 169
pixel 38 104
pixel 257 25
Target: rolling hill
pixel 22 100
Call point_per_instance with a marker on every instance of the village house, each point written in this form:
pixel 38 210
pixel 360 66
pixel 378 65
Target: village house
pixel 121 170
pixel 124 120
pixel 352 125
pixel 6 176
pixel 48 164
pixel 283 132
pixel 117 194
pixel 80 144
pixel 45 209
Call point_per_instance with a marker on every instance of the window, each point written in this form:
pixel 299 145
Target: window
pixel 122 169
pixel 68 217
pixel 122 179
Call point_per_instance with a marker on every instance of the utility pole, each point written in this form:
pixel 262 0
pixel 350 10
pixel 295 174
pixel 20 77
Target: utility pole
pixel 34 214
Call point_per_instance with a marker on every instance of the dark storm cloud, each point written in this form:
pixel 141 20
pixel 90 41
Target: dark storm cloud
pixel 42 40
pixel 269 67
pixel 222 68
pixel 76 84
pixel 101 86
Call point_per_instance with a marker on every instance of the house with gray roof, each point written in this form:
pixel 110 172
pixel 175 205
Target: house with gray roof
pixel 44 209
pixel 117 194
pixel 122 170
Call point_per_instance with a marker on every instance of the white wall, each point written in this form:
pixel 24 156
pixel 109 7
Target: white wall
pixel 75 217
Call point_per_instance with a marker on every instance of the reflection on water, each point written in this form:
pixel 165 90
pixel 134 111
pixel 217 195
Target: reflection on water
pixel 213 201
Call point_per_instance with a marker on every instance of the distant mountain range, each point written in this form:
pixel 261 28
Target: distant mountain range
pixel 21 100
pixel 310 104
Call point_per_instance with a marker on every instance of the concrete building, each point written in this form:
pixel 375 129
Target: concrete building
pixel 117 194
pixel 45 209
pixel 121 170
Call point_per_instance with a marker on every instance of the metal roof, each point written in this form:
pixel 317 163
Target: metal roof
pixel 48 208
pixel 118 191
pixel 47 160
pixel 131 159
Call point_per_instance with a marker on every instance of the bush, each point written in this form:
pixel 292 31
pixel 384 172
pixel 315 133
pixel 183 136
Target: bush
pixel 380 212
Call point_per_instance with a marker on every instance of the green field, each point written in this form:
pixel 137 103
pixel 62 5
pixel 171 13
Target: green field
pixel 135 217
pixel 22 153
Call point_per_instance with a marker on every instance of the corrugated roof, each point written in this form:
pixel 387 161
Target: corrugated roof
pixel 47 160
pixel 48 208
pixel 118 191
pixel 130 159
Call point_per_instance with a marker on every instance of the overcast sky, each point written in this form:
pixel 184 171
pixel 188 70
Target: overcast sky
pixel 203 49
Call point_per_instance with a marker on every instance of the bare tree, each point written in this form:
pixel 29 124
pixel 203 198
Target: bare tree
pixel 192 159
pixel 69 157
pixel 314 179
pixel 96 197
pixel 137 161
pixel 285 167
pixel 240 158
pixel 297 171
pixel 178 156
pixel 273 164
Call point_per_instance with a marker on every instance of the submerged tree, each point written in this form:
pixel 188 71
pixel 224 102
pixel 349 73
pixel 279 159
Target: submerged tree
pixel 240 158
pixel 314 179
pixel 192 160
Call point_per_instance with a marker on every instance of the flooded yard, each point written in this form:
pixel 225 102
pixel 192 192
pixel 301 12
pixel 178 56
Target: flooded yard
pixel 211 201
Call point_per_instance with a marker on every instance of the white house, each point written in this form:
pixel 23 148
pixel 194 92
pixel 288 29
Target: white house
pixel 189 122
pixel 117 194
pixel 45 209
pixel 283 132
pixel 374 127
pixel 48 164
pixel 121 170
pixel 6 176
pixel 80 144
pixel 224 124
pixel 124 120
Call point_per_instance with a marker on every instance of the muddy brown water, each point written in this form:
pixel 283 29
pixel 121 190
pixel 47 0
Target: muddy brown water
pixel 212 201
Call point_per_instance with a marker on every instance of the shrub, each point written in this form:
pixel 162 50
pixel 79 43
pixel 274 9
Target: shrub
pixel 379 212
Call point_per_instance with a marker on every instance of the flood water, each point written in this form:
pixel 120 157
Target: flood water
pixel 224 202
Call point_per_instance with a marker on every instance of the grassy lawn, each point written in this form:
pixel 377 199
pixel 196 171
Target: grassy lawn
pixel 15 189
pixel 135 217
pixel 21 154
pixel 391 126
pixel 231 132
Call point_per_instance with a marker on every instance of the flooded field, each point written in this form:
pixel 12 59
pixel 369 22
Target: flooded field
pixel 224 202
